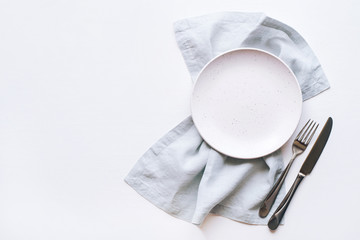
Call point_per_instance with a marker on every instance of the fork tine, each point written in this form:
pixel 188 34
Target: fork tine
pixel 311 136
pixel 308 133
pixel 304 133
pixel 297 137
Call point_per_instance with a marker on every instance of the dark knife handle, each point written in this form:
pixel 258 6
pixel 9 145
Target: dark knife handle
pixel 280 211
pixel 270 198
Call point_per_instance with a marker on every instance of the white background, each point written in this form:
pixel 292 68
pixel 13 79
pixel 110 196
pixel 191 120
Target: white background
pixel 86 87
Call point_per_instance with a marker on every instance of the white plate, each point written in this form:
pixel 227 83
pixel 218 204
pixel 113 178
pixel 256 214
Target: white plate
pixel 246 103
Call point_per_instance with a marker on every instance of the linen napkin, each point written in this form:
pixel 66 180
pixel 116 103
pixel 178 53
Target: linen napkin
pixel 183 175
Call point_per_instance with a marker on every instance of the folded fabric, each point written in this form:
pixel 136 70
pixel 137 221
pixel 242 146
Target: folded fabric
pixel 183 175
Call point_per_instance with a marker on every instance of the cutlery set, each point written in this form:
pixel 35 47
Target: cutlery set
pixel 299 146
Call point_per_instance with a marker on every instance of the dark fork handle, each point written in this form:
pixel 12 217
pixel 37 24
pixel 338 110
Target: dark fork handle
pixel 280 211
pixel 270 198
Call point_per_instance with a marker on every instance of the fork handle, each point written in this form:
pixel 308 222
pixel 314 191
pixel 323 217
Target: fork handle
pixel 280 211
pixel 270 198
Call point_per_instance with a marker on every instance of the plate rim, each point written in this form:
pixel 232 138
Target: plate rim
pixel 252 49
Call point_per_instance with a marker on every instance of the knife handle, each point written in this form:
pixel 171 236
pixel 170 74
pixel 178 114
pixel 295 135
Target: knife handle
pixel 280 211
pixel 270 198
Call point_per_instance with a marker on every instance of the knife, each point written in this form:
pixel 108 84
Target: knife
pixel 306 169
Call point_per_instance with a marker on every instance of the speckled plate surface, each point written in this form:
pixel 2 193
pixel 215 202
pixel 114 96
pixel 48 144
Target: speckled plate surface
pixel 246 103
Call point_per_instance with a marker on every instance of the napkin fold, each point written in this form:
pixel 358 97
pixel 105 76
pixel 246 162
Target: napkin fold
pixel 181 174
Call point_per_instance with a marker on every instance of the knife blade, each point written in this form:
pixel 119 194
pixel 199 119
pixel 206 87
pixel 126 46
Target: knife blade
pixel 306 169
pixel 317 149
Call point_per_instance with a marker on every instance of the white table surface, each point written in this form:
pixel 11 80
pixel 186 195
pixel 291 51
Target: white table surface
pixel 86 87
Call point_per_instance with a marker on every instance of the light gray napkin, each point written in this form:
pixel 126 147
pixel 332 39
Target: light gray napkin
pixel 180 173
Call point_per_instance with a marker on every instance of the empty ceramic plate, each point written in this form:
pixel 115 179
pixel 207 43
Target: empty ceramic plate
pixel 246 103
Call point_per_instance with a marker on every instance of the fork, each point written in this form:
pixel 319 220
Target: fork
pixel 300 143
